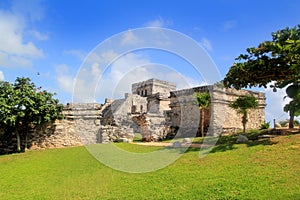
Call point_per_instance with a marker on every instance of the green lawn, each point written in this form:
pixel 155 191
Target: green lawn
pixel 268 169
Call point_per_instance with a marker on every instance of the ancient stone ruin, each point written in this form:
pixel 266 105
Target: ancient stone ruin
pixel 154 109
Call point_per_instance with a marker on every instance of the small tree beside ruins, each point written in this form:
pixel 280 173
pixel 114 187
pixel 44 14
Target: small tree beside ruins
pixel 242 105
pixel 203 101
pixel 23 106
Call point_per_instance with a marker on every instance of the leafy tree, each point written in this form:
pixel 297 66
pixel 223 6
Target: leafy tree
pixel 242 105
pixel 203 101
pixel 293 107
pixel 23 106
pixel 276 62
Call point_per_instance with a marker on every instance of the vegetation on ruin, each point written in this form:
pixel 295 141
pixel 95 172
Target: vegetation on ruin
pixel 242 105
pixel 260 169
pixel 23 106
pixel 275 63
pixel 203 101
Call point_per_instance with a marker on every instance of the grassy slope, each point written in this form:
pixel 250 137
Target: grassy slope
pixel 264 170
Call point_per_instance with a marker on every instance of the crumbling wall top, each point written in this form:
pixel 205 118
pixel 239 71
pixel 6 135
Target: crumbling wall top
pixel 152 86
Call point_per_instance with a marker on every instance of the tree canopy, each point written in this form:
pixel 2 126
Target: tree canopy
pixel 23 105
pixel 276 62
pixel 203 101
pixel 293 107
pixel 242 105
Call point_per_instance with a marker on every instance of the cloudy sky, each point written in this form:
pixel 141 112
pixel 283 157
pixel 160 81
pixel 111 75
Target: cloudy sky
pixel 53 42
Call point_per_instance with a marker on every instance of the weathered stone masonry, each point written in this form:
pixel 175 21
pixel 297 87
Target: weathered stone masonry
pixel 155 109
pixel 184 114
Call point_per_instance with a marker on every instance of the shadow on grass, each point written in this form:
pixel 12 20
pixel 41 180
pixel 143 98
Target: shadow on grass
pixel 233 145
pixel 227 143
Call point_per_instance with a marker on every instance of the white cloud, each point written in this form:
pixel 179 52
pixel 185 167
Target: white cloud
pixel 34 10
pixel 132 68
pixel 96 82
pixel 77 53
pixel 129 38
pixel 39 36
pixel 159 22
pixel 64 79
pixel 206 44
pixel 228 25
pixel 1 76
pixel 107 56
pixel 8 60
pixel 83 85
pixel 124 71
pixel 275 103
pixel 65 82
pixel 14 49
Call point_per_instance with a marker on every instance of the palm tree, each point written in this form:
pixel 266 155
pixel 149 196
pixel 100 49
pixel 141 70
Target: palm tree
pixel 203 101
pixel 242 105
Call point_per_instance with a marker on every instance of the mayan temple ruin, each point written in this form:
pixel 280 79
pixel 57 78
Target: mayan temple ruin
pixel 154 109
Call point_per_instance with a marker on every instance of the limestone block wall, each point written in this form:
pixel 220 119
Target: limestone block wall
pixel 162 86
pixel 109 134
pixel 80 127
pixel 152 86
pixel 160 113
pixel 151 126
pixel 61 133
pixel 233 120
pixel 185 114
pixel 86 118
pixel 158 103
pixel 220 117
pixel 131 104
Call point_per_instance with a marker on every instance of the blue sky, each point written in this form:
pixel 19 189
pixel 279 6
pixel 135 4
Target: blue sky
pixel 49 40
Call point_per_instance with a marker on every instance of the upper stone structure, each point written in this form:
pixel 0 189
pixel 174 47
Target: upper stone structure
pixel 152 86
pixel 161 110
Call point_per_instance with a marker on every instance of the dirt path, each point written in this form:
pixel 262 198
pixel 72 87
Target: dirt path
pixel 166 144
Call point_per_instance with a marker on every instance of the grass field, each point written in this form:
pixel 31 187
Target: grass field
pixel 267 169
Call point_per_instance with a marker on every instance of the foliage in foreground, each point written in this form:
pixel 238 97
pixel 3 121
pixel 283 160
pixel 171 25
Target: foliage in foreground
pixel 260 169
pixel 23 106
pixel 265 125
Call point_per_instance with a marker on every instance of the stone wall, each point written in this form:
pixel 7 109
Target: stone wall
pixel 86 118
pixel 152 86
pixel 158 103
pixel 157 115
pixel 80 127
pixel 185 113
pixel 109 134
pixel 184 116
pixel 61 133
pixel 151 126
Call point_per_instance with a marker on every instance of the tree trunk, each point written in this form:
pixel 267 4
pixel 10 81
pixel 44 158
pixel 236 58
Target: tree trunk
pixel 202 121
pixel 291 121
pixel 244 121
pixel 26 137
pixel 18 142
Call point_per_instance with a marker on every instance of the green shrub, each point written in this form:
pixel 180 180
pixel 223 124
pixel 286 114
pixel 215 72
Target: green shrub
pixel 137 137
pixel 265 125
